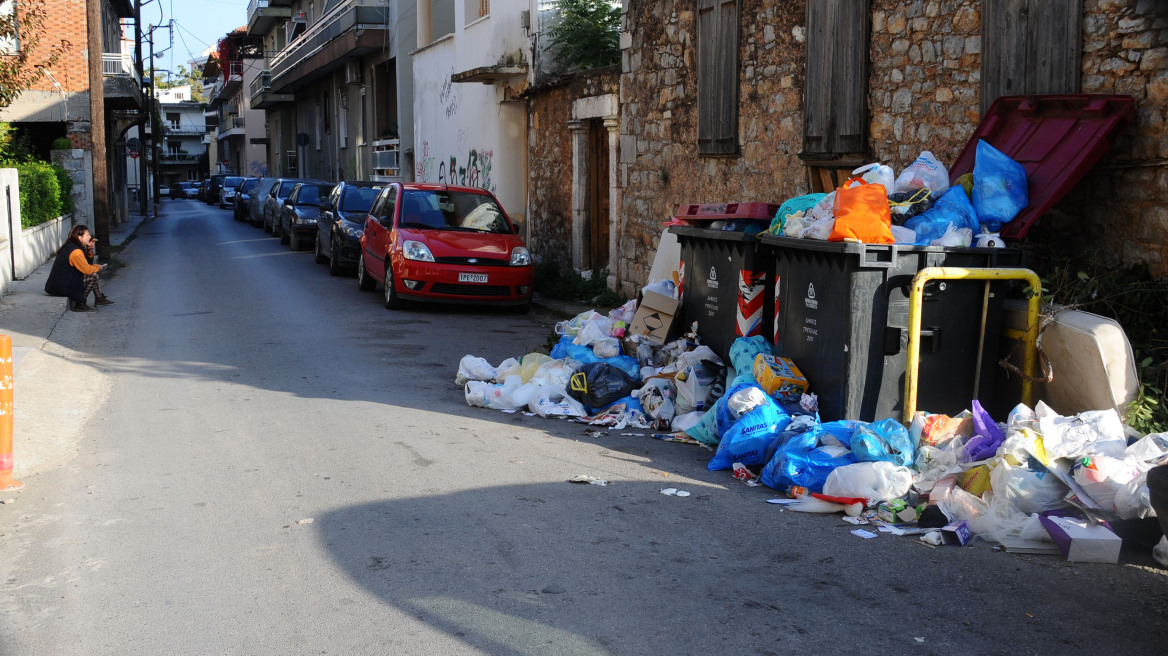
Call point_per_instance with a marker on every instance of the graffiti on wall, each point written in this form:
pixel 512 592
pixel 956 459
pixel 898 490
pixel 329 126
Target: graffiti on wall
pixel 476 172
pixel 257 169
pixel 447 97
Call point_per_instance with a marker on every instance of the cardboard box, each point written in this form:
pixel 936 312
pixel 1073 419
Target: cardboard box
pixel 887 511
pixel 779 377
pixel 1082 542
pixel 955 533
pixel 654 317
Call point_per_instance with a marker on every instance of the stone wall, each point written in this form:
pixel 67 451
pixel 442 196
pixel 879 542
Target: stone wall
pixel 924 94
pixel 550 160
pixel 659 164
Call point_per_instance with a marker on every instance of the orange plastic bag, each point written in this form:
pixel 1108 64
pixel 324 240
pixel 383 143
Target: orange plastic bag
pixel 862 213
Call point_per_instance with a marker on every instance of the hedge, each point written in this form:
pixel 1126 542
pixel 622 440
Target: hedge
pixel 40 193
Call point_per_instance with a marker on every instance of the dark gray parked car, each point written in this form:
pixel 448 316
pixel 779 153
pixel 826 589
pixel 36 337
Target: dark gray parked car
pixel 257 198
pixel 341 222
pixel 275 201
pixel 299 213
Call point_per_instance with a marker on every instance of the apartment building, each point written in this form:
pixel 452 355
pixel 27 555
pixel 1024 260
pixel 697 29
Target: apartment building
pixel 336 86
pixel 239 133
pixel 182 153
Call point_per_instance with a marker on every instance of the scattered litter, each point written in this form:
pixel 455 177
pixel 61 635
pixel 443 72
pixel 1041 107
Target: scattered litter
pixel 919 639
pixel 658 472
pixel 856 521
pixel 594 433
pixel 867 535
pixel 680 438
pixel 589 480
pixel 933 538
pixel 782 502
pixel 307 520
pixel 6 501
pixel 743 474
pixel 672 491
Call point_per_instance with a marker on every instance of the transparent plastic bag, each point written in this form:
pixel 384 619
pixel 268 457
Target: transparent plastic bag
pixel 473 368
pixel 877 173
pixel 925 171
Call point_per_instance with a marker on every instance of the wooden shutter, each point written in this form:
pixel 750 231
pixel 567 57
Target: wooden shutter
pixel 718 27
pixel 835 95
pixel 1030 47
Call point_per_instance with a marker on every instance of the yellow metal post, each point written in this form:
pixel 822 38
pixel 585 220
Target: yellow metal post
pixel 916 297
pixel 6 480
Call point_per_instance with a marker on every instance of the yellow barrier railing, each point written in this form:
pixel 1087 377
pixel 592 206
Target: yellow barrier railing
pixel 916 296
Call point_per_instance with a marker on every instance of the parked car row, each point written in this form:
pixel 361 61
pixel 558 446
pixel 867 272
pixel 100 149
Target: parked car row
pixel 418 242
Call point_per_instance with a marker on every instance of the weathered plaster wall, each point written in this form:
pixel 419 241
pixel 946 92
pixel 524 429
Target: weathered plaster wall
pixel 550 160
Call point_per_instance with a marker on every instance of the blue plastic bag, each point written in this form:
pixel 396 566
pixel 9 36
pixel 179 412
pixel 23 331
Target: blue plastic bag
pixel 746 441
pixel 951 208
pixel 719 419
pixel 999 187
pixel 742 354
pixel 883 440
pixel 801 462
pixel 584 355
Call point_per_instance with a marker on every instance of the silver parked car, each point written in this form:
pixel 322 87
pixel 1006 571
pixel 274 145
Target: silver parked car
pixel 257 200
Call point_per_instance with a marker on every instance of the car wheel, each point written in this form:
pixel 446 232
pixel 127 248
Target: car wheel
pixel 267 226
pixel 392 302
pixel 334 261
pixel 364 282
pixel 283 235
pixel 319 254
pixel 294 240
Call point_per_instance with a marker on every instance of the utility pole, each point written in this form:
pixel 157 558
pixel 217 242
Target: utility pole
pixel 155 128
pixel 143 174
pixel 101 213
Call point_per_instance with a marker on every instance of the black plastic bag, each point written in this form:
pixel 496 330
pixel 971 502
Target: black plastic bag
pixel 599 384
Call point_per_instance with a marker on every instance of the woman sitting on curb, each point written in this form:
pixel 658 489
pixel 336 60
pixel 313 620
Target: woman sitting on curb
pixel 73 275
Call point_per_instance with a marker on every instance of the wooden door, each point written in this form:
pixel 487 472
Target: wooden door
pixel 598 219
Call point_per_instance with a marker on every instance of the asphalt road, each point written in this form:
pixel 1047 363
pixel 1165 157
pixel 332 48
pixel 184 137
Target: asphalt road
pixel 285 467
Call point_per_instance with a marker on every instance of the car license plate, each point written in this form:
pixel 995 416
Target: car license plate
pixel 472 277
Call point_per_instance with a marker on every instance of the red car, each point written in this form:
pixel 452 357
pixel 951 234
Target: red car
pixel 447 244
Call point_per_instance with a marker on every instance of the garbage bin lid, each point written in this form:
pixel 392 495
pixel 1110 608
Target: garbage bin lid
pixel 1056 138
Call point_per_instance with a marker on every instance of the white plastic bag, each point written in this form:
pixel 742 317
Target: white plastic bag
pixel 1095 432
pixel 954 238
pixel 925 171
pixel 874 481
pixel 1152 449
pixel 903 235
pixel 511 395
pixel 572 327
pixel 508 367
pixel 1133 501
pixel 531 364
pixel 1030 491
pixel 472 368
pixel 555 402
pixel 606 347
pixel 796 224
pixel 556 373
pixel 594 330
pixel 1101 477
pixel 877 173
pixel 625 312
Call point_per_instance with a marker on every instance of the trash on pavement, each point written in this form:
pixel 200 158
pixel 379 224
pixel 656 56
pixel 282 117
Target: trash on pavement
pixel 585 479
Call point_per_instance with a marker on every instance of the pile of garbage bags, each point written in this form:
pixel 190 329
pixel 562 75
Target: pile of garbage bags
pixel 916 207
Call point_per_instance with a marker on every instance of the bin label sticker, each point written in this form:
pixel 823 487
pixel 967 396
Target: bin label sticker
pixel 712 282
pixel 810 301
pixel 778 329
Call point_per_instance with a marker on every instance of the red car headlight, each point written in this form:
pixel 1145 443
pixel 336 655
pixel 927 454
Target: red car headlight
pixel 520 256
pixel 416 250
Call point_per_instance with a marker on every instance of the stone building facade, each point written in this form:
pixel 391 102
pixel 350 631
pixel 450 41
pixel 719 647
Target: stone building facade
pixel 924 93
pixel 550 153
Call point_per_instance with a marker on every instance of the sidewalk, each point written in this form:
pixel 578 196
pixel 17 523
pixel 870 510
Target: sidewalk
pixel 54 391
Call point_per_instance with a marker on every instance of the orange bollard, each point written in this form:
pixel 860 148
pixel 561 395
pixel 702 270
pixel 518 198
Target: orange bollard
pixel 6 381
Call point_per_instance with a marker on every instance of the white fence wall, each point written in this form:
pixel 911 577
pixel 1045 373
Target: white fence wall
pixel 22 251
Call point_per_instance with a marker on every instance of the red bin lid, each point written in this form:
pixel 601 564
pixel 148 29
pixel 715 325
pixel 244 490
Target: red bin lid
pixel 1056 138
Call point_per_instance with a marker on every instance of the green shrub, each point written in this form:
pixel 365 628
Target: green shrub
pixel 62 143
pixel 65 183
pixel 40 195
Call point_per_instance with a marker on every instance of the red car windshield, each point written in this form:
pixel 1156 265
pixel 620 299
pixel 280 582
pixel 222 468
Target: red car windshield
pixel 452 210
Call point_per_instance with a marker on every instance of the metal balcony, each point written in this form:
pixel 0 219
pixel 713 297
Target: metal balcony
pixel 321 49
pixel 233 126
pixel 261 92
pixel 263 14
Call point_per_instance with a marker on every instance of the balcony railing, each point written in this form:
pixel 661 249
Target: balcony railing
pixel 366 18
pixel 116 64
pixel 256 4
pixel 179 158
pixel 235 122
pixel 262 82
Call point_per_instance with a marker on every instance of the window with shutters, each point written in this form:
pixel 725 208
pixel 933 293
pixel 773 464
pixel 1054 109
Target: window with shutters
pixel 1029 47
pixel 835 96
pixel 717 44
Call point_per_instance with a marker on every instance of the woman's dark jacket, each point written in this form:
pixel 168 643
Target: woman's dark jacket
pixel 64 278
